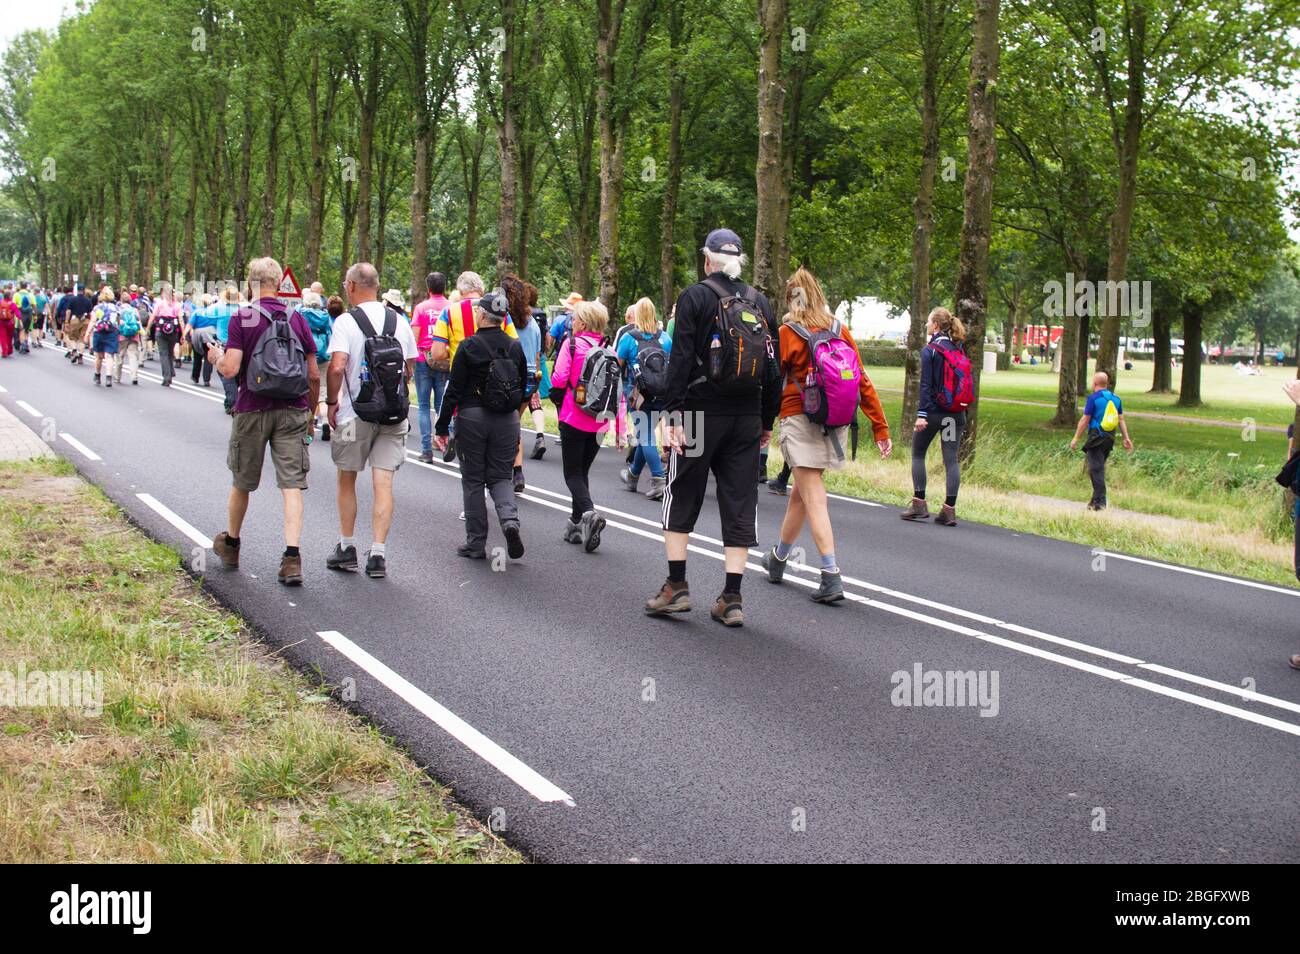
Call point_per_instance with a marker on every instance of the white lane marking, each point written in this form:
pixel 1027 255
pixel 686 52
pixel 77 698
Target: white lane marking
pixel 85 451
pixel 175 519
pixel 988 637
pixel 856 500
pixel 3 389
pixel 28 408
pixel 460 730
pixel 177 384
pixel 1202 573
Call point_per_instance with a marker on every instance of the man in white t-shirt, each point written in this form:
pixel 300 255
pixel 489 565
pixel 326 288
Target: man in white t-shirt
pixel 356 442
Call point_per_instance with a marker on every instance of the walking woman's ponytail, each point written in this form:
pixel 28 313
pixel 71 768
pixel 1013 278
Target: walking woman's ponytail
pixel 945 322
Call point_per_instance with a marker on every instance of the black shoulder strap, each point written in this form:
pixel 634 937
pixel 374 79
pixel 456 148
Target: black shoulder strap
pixel 717 288
pixel 363 321
pixel 390 322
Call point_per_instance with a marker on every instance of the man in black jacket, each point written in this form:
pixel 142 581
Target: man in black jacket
pixel 486 439
pixel 727 427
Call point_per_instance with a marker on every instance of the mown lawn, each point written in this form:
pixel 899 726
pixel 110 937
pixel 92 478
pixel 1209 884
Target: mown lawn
pixel 207 749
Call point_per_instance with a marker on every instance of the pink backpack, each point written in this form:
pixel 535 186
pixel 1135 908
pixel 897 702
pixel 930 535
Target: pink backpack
pixel 830 391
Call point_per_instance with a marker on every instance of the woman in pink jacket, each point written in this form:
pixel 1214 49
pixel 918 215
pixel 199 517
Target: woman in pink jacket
pixel 580 432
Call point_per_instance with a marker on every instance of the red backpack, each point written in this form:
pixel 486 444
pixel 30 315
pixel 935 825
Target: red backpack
pixel 957 391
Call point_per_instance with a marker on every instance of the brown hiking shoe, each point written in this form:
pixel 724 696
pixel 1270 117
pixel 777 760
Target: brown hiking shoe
pixel 727 610
pixel 229 555
pixel 916 510
pixel 946 518
pixel 672 598
pixel 290 571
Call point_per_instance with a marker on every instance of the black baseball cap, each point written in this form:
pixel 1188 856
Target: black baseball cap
pixel 724 241
pixel 495 304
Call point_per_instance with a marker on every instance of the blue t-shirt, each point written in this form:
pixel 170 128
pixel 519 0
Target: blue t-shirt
pixel 530 337
pixel 205 318
pixel 631 342
pixel 1096 407
pixel 221 312
pixel 560 328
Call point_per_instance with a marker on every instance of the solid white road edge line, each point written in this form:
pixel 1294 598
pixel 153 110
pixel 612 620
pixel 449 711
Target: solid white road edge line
pixel 996 640
pixel 1202 573
pixel 85 451
pixel 28 408
pixel 175 519
pixel 460 730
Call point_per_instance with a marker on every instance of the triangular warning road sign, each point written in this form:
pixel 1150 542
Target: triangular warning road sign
pixel 288 285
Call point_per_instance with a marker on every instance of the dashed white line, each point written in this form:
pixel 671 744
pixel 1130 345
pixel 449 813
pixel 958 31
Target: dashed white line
pixel 85 451
pixel 28 408
pixel 508 765
pixel 175 519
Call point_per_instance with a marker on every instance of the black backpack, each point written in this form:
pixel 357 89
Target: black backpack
pixel 502 389
pixel 741 345
pixel 384 397
pixel 652 368
pixel 277 368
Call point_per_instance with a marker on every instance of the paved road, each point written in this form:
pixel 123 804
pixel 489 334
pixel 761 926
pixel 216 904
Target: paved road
pixel 543 695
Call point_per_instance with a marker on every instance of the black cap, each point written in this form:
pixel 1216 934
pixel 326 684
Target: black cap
pixel 723 240
pixel 494 303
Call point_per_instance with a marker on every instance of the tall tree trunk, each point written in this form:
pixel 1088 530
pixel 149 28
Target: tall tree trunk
pixel 271 184
pixel 365 183
pixel 191 214
pixel 922 229
pixel 1127 145
pixel 508 145
pixel 286 219
pixel 1067 381
pixel 241 195
pixel 971 290
pixel 769 171
pixel 1162 352
pixel 132 216
pixel 673 185
pixel 529 149
pixel 164 210
pixel 1189 394
pixel 1085 341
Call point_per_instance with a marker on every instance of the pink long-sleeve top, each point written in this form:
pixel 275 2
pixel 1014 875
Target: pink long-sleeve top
pixel 568 369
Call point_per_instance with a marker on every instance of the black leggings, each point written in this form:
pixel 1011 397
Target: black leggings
pixel 578 450
pixel 948 428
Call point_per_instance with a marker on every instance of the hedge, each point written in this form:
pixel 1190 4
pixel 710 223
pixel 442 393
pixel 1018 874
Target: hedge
pixel 882 356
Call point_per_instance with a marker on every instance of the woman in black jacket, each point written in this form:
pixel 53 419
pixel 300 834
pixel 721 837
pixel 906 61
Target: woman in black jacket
pixel 946 333
pixel 484 391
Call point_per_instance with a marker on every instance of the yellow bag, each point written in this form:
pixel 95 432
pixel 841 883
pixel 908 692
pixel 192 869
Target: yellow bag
pixel 1110 417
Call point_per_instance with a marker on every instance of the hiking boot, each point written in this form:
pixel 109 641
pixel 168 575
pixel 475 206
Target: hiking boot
pixel 426 457
pixel 671 598
pixel 450 453
pixel 343 558
pixel 471 553
pixel 95 378
pixel 656 491
pixel 727 610
pixel 229 555
pixel 520 486
pixel 947 517
pixel 916 510
pixel 572 532
pixel 539 447
pixel 108 382
pixel 831 589
pixel 775 486
pixel 630 480
pixel 591 525
pixel 376 566
pixel 290 571
pixel 514 542
pixel 774 565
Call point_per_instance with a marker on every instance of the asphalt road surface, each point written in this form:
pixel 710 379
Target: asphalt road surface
pixel 1142 712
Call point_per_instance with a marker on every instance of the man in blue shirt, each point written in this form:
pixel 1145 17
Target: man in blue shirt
pixel 1103 415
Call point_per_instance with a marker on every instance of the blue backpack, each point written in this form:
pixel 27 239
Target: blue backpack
pixel 321 324
pixel 129 321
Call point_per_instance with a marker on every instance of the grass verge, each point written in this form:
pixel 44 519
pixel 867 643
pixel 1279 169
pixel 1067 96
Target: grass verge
pixel 208 748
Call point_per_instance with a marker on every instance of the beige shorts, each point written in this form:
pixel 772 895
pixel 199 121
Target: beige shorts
pixel 355 443
pixel 74 327
pixel 803 444
pixel 285 431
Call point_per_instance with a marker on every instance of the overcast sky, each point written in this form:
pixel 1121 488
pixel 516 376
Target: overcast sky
pixel 23 15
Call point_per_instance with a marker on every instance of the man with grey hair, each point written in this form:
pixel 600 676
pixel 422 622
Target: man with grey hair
pixel 725 375
pixel 259 421
pixel 357 337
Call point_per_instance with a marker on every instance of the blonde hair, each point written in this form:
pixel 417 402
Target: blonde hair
pixel 807 302
pixel 947 323
pixel 644 316
pixel 590 316
pixel 106 294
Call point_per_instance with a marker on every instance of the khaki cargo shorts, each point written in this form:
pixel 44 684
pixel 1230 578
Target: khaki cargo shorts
pixel 74 327
pixel 286 431
pixel 355 443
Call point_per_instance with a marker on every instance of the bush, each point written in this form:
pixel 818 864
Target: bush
pixel 1004 360
pixel 882 356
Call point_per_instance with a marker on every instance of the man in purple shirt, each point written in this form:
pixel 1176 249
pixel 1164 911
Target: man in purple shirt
pixel 259 421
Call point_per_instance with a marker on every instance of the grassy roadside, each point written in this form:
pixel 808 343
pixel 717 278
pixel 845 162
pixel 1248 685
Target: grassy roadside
pixel 208 748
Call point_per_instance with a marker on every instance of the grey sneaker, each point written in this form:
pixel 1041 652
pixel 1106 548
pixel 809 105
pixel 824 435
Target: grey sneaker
pixel 342 558
pixel 831 589
pixel 774 565
pixel 376 566
pixel 671 598
pixel 592 523
pixel 572 532
pixel 630 480
pixel 656 491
